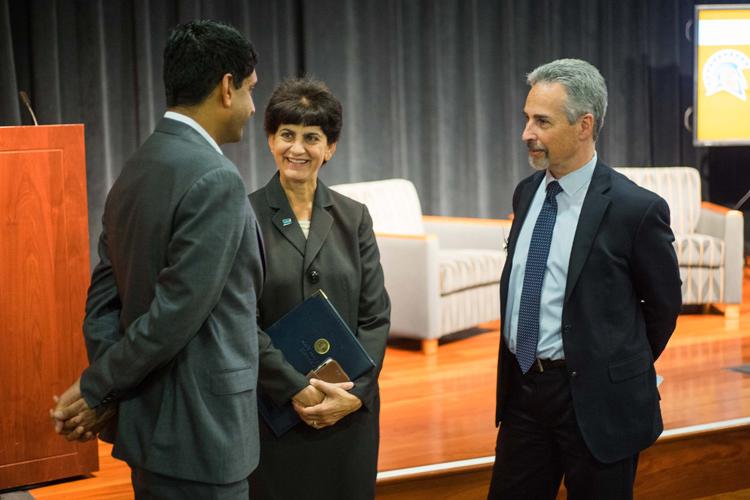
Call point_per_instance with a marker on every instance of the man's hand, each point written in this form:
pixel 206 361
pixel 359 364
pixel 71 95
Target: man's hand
pixel 88 423
pixel 74 419
pixel 67 405
pixel 337 403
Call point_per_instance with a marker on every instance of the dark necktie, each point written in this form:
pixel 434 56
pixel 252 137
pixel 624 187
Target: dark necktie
pixel 536 262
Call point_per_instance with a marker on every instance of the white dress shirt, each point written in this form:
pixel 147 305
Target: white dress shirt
pixel 569 203
pixel 195 125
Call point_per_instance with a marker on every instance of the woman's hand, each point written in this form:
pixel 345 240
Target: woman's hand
pixel 309 396
pixel 337 403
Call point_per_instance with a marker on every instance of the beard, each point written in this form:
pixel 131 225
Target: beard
pixel 538 163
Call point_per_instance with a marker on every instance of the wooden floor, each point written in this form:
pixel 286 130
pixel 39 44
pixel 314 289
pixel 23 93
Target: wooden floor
pixel 440 409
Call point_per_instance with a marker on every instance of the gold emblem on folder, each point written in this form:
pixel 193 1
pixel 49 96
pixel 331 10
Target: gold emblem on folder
pixel 322 346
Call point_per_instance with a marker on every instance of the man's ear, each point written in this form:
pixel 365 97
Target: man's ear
pixel 226 87
pixel 587 126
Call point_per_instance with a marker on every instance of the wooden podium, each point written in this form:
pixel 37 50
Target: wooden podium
pixel 44 275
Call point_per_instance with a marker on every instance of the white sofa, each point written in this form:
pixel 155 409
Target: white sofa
pixel 709 238
pixel 442 273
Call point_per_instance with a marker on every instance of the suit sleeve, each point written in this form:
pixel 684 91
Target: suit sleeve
pixel 277 378
pixel 657 275
pixel 374 319
pixel 101 324
pixel 208 226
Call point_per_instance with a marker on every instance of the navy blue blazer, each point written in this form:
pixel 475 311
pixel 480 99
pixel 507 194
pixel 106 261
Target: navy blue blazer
pixel 621 303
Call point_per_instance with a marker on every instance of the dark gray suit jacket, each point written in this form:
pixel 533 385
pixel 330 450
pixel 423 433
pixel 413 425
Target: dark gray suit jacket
pixel 622 298
pixel 341 257
pixel 171 313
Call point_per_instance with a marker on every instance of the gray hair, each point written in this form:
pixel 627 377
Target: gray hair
pixel 586 88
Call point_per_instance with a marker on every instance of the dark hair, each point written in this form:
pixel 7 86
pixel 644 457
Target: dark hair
pixel 198 54
pixel 304 101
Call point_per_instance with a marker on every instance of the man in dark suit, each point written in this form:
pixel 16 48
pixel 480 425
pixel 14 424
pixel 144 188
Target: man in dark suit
pixel 590 294
pixel 170 321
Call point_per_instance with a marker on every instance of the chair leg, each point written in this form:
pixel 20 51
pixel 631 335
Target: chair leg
pixel 732 311
pixel 429 346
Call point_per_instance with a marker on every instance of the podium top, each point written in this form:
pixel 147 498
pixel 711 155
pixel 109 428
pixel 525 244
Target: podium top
pixel 41 137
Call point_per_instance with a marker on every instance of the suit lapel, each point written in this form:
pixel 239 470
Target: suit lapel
pixel 320 223
pixel 283 218
pixel 261 247
pixel 594 207
pixel 519 216
pixel 524 202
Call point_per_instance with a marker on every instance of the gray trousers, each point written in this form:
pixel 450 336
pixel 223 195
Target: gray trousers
pixel 151 486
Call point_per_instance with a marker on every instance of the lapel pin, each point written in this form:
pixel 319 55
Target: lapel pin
pixel 286 222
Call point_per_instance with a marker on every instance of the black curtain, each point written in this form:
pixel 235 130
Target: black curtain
pixel 433 90
pixel 99 62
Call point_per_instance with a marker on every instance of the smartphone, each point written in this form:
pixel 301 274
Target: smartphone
pixel 329 371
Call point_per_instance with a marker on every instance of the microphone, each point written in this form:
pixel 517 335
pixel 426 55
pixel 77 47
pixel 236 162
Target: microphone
pixel 742 201
pixel 25 100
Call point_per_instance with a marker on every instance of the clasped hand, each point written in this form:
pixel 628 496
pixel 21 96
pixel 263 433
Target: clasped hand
pixel 322 404
pixel 74 420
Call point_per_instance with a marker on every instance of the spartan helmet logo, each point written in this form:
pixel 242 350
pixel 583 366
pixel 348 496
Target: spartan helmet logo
pixel 724 72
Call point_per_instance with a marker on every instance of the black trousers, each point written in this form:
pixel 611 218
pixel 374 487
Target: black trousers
pixel 152 486
pixel 539 443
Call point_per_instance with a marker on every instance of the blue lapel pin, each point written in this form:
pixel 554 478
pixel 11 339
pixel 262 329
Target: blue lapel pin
pixel 286 222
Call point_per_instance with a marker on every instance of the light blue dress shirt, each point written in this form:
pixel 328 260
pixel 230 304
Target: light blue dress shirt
pixel 195 125
pixel 569 204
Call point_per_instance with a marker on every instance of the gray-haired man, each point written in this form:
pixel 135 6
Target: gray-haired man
pixel 590 294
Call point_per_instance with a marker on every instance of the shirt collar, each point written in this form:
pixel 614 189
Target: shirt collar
pixel 577 179
pixel 172 115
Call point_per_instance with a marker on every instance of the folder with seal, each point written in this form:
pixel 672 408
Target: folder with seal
pixel 308 336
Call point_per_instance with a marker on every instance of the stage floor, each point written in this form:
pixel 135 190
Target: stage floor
pixel 438 411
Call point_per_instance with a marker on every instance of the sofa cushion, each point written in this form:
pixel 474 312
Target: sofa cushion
pixel 465 309
pixel 464 269
pixel 679 186
pixel 699 250
pixel 702 285
pixel 393 204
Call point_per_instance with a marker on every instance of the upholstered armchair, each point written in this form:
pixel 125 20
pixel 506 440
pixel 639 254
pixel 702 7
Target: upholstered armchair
pixel 442 273
pixel 709 238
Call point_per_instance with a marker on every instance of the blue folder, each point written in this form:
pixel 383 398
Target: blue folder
pixel 308 335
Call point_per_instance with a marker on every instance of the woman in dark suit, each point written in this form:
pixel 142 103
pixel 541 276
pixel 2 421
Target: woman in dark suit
pixel 316 239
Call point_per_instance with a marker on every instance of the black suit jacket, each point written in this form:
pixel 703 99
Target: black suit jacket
pixel 170 316
pixel 340 256
pixel 621 303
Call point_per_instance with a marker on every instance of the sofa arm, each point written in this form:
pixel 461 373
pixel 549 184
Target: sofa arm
pixel 466 232
pixel 412 279
pixel 728 225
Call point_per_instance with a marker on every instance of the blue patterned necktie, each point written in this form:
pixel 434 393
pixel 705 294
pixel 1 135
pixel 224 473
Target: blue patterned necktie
pixel 536 262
